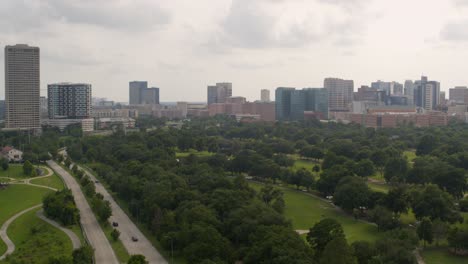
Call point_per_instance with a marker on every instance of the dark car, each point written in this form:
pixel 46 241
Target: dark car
pixel 115 224
pixel 134 239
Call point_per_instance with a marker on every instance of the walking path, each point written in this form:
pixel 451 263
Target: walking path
pixel 73 237
pixel 3 231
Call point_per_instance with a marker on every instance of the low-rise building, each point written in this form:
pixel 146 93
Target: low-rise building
pixel 12 154
pixel 108 123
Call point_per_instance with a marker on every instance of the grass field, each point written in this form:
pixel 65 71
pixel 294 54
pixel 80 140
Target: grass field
pixel 14 171
pixel 441 256
pixel 305 210
pixel 16 198
pixel 378 187
pixel 53 181
pixel 36 240
pixel 306 164
pixel 194 152
pixel 410 155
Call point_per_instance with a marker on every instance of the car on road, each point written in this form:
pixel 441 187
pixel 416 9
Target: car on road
pixel 134 239
pixel 115 224
pixel 96 181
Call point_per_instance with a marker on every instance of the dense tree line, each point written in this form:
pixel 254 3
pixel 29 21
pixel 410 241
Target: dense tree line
pixel 183 199
pixel 61 207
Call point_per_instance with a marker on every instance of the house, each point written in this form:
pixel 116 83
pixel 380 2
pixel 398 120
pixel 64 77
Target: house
pixel 12 154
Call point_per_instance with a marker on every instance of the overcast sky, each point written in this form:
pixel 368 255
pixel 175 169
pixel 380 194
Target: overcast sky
pixel 182 46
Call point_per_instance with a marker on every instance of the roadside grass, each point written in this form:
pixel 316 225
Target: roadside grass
pixel 53 181
pixel 36 240
pixel 13 171
pixel 305 210
pixel 184 154
pixel 118 247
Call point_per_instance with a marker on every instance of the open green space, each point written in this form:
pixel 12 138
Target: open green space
pixel 194 152
pixel 305 210
pixel 53 181
pixel 306 164
pixel 410 155
pixel 117 246
pixel 36 240
pixel 16 198
pixel 441 256
pixel 378 187
pixel 13 171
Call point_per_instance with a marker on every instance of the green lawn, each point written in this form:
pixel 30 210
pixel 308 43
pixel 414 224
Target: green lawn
pixel 378 187
pixel 36 240
pixel 194 152
pixel 53 181
pixel 410 155
pixel 306 164
pixel 441 256
pixel 305 210
pixel 16 198
pixel 14 171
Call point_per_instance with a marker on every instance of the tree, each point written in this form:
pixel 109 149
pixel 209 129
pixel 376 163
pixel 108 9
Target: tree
pixel 312 152
pixel 272 197
pixel 322 233
pixel 397 200
pixel 464 205
pixel 137 259
pixel 364 168
pixel 60 260
pixel 364 251
pixel 426 145
pixel 28 168
pixel 352 192
pixel 434 203
pixel 61 206
pixel 396 169
pixel 458 240
pixel 379 158
pixel 115 234
pixel 383 218
pixel 83 255
pixel 425 231
pixel 330 178
pixel 338 251
pixel 5 164
pixel 440 230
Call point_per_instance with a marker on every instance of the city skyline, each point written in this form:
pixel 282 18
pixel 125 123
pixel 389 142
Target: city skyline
pixel 254 44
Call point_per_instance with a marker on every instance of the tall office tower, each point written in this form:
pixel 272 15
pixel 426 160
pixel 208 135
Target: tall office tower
pixel 135 90
pixel 397 88
pixel 427 94
pixel 150 96
pixel 340 94
pixel 382 86
pixel 442 98
pixel 219 93
pixel 44 107
pixel 459 95
pixel 22 87
pixel 2 109
pixel 283 103
pixel 409 91
pixel 69 101
pixel 265 95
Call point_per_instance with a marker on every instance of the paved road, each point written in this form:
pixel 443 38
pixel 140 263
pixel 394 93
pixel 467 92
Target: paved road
pixel 73 237
pixel 128 229
pixel 103 253
pixel 3 231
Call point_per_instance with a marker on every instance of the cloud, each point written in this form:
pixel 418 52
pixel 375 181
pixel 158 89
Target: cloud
pixel 455 31
pixel 289 24
pixel 130 16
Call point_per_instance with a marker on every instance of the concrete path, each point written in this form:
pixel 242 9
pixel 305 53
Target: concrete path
pixel 4 228
pixel 128 229
pixel 73 237
pixel 103 252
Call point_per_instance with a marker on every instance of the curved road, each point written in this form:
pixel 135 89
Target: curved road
pixel 128 229
pixel 103 252
pixel 73 237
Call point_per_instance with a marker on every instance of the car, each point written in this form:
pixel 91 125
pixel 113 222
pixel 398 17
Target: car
pixel 134 239
pixel 96 181
pixel 115 224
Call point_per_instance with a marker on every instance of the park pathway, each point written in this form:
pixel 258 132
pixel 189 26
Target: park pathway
pixel 73 237
pixel 3 231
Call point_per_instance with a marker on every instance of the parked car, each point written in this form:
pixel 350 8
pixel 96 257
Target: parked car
pixel 134 239
pixel 115 224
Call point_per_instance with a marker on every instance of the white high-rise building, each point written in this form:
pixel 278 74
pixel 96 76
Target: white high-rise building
pixel 22 87
pixel 265 95
pixel 340 94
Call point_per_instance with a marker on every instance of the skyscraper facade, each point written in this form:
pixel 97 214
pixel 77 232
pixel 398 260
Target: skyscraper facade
pixel 291 104
pixel 69 101
pixel 22 87
pixel 219 93
pixel 150 96
pixel 459 95
pixel 135 90
pixel 340 94
pixel 409 91
pixel 427 94
pixel 265 95
pixel 283 103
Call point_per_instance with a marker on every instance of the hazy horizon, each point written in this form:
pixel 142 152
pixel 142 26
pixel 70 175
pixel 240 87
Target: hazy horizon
pixel 182 46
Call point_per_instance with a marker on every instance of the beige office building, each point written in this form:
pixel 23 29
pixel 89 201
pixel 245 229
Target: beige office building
pixel 340 94
pixel 265 95
pixel 22 87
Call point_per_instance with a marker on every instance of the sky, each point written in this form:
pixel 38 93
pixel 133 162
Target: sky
pixel 182 46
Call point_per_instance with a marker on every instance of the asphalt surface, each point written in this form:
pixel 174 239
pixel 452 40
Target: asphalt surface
pixel 128 229
pixel 103 253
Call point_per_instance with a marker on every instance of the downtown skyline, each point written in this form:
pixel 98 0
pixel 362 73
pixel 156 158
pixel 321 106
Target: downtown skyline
pixel 182 47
